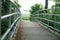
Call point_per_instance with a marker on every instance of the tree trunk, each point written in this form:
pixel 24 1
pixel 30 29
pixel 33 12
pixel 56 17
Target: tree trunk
pixel 0 16
pixel 46 5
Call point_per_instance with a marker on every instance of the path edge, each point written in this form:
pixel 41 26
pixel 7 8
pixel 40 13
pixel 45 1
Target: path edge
pixel 55 33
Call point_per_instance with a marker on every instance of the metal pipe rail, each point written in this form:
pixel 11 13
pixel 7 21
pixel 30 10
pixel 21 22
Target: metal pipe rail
pixel 49 21
pixel 6 16
pixel 48 18
pixel 46 9
pixel 46 14
pixel 12 27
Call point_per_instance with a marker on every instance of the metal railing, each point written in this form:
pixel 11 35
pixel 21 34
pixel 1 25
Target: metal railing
pixel 51 18
pixel 11 25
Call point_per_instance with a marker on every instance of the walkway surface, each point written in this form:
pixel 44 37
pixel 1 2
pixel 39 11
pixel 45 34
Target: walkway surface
pixel 33 31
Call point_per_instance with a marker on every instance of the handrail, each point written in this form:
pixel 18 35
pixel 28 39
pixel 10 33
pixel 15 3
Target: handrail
pixel 18 14
pixel 48 20
pixel 47 14
pixel 46 9
pixel 42 15
pixel 5 16
pixel 9 29
pixel 51 27
pixel 14 4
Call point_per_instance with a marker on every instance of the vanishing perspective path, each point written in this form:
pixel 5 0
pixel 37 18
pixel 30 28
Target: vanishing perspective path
pixel 34 31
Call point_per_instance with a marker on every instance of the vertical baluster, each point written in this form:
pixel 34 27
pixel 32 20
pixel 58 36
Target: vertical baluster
pixel 16 14
pixel 38 16
pixel 10 13
pixel 48 16
pixel 43 12
pixel 41 16
pixel 54 18
pixel 16 11
pixel 0 16
pixel 19 14
pixel 9 20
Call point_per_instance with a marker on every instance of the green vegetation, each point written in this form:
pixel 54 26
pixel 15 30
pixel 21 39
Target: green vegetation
pixel 55 9
pixel 35 8
pixel 25 17
pixel 16 3
pixel 5 11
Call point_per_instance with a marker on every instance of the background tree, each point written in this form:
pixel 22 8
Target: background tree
pixel 0 16
pixel 35 8
pixel 56 11
pixel 16 3
pixel 46 5
pixel 57 5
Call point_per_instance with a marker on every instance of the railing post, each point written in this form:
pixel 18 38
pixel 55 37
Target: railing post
pixel 54 18
pixel 0 16
pixel 9 19
pixel 48 16
pixel 42 17
pixel 9 13
pixel 16 11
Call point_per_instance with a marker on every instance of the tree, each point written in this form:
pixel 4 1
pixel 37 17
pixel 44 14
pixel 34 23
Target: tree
pixel 56 10
pixel 46 5
pixel 35 8
pixel 57 6
pixel 16 3
pixel 0 16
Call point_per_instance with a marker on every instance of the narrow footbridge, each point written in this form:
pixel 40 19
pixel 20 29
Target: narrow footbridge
pixel 35 31
pixel 43 26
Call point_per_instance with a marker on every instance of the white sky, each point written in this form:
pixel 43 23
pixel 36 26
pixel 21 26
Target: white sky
pixel 26 4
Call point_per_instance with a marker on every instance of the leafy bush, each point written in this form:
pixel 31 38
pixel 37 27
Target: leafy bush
pixel 35 8
pixel 25 17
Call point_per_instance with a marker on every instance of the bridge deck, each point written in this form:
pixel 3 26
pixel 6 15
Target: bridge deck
pixel 33 31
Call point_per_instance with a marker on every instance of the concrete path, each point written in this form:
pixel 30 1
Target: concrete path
pixel 33 31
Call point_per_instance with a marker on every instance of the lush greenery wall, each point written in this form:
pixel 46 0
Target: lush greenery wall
pixel 35 8
pixel 52 17
pixel 5 11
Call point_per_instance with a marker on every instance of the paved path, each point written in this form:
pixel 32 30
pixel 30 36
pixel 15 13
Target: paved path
pixel 33 31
